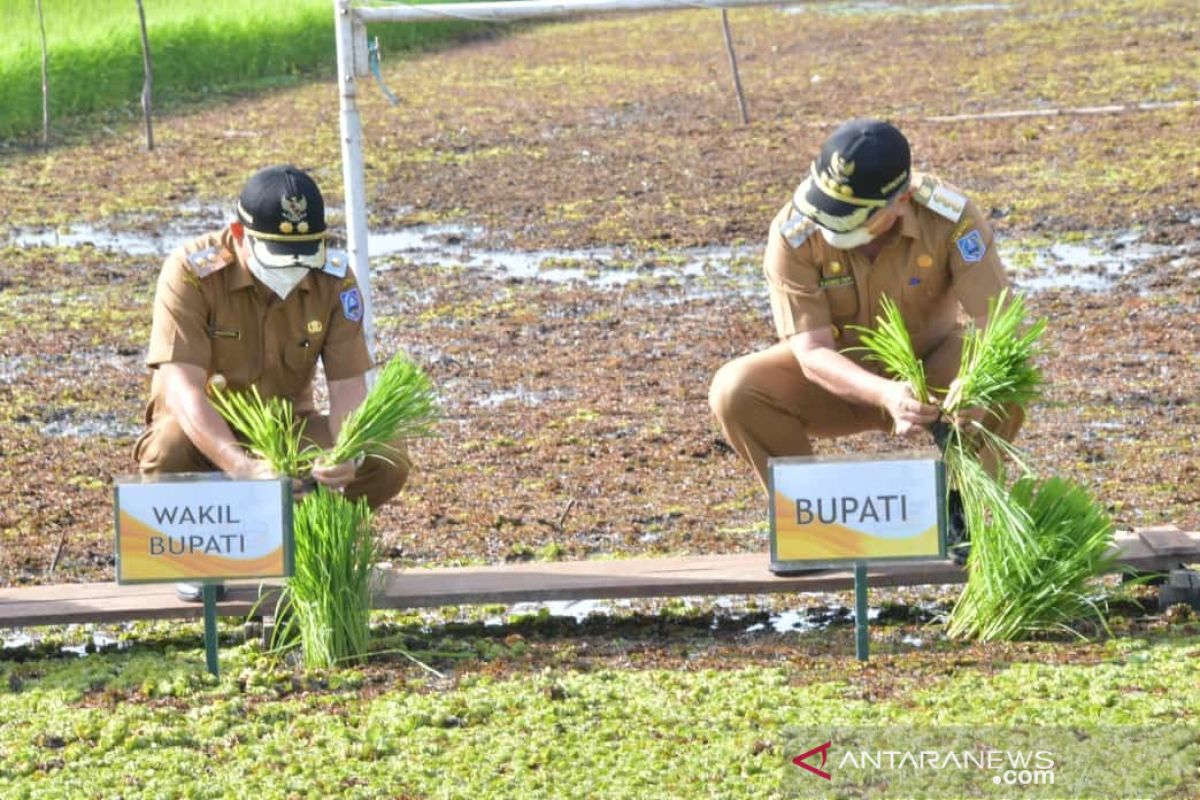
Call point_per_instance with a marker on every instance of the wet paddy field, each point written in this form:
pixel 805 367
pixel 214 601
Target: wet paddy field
pixel 572 245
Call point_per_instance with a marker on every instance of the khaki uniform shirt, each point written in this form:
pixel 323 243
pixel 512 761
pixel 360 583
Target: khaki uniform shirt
pixel 210 312
pixel 941 256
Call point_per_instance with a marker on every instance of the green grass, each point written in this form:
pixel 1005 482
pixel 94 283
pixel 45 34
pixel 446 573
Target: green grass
pixel 200 47
pixel 154 724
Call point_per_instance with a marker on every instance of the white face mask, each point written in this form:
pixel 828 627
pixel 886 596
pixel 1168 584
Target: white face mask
pixel 281 280
pixel 848 240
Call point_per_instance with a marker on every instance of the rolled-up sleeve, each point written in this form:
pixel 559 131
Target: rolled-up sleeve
pixel 179 332
pixel 793 281
pixel 977 274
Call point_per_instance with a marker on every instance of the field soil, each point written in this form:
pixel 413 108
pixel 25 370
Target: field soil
pixel 584 215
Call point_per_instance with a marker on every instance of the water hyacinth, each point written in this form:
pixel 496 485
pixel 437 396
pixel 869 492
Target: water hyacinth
pixel 1034 548
pixel 324 608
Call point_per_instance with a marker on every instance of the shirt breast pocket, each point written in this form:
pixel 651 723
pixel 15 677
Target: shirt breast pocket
pixel 924 287
pixel 300 355
pixel 843 302
pixel 231 355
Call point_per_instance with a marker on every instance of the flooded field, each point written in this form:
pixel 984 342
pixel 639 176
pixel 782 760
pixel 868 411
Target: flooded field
pixel 572 248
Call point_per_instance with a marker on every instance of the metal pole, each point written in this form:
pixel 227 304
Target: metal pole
pixel 147 78
pixel 210 629
pixel 862 640
pixel 531 9
pixel 733 67
pixel 353 176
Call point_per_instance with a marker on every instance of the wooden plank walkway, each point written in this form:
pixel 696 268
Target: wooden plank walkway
pixel 1145 550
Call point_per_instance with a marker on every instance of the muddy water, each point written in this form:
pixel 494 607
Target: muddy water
pixel 1097 264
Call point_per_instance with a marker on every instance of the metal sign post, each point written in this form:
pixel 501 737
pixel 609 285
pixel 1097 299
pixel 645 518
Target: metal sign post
pixel 839 512
pixel 210 630
pixel 862 640
pixel 203 528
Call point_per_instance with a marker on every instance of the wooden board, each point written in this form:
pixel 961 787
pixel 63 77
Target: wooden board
pixel 1143 550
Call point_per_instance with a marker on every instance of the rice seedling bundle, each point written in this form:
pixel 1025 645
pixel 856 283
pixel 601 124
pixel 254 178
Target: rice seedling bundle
pixel 1036 547
pixel 325 606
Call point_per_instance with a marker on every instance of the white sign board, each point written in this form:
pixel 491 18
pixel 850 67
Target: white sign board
pixel 827 511
pixel 203 526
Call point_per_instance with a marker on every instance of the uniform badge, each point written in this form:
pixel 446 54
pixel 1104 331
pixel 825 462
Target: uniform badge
pixel 796 229
pixel 971 247
pixel 924 261
pixel 352 306
pixel 336 264
pixel 914 281
pixel 315 326
pixel 203 263
pixel 940 199
pixel 834 283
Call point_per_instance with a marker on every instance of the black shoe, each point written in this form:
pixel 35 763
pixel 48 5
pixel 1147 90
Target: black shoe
pixel 194 592
pixel 958 538
pixel 794 572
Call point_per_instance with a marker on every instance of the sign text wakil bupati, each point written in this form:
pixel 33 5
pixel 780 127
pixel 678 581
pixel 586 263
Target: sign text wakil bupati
pixel 203 527
pixel 827 511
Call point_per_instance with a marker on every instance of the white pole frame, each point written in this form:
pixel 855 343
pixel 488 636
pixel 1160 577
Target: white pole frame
pixel 351 28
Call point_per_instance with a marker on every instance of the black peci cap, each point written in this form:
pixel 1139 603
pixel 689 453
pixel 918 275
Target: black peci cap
pixel 862 167
pixel 283 213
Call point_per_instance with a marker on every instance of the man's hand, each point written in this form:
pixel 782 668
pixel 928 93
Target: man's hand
pixel 964 416
pixel 252 469
pixel 909 414
pixel 335 476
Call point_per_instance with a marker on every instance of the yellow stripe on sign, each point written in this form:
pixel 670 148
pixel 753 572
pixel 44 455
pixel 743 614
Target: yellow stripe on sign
pixel 819 541
pixel 137 563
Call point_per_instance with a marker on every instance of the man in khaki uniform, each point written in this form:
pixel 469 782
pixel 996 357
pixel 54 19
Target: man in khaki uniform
pixel 860 226
pixel 257 304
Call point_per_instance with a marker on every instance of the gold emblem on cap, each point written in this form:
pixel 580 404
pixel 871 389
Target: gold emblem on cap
pixel 315 326
pixel 285 227
pixel 835 267
pixel 295 209
pixel 925 261
pixel 840 169
pixel 302 227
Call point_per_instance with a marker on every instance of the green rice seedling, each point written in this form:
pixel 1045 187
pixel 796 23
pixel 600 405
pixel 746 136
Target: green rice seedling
pixel 1048 586
pixel 1036 547
pixel 890 345
pixel 269 428
pixel 997 367
pixel 401 405
pixel 326 604
pixel 324 608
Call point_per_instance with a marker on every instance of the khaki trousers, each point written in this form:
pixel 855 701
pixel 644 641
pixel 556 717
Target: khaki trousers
pixel 767 408
pixel 164 448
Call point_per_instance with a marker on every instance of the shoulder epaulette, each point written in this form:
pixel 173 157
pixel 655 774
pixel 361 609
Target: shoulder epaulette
pixel 797 228
pixel 205 262
pixel 940 199
pixel 336 263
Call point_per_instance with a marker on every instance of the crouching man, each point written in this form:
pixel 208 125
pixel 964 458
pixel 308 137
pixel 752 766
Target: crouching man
pixel 256 304
pixel 860 227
